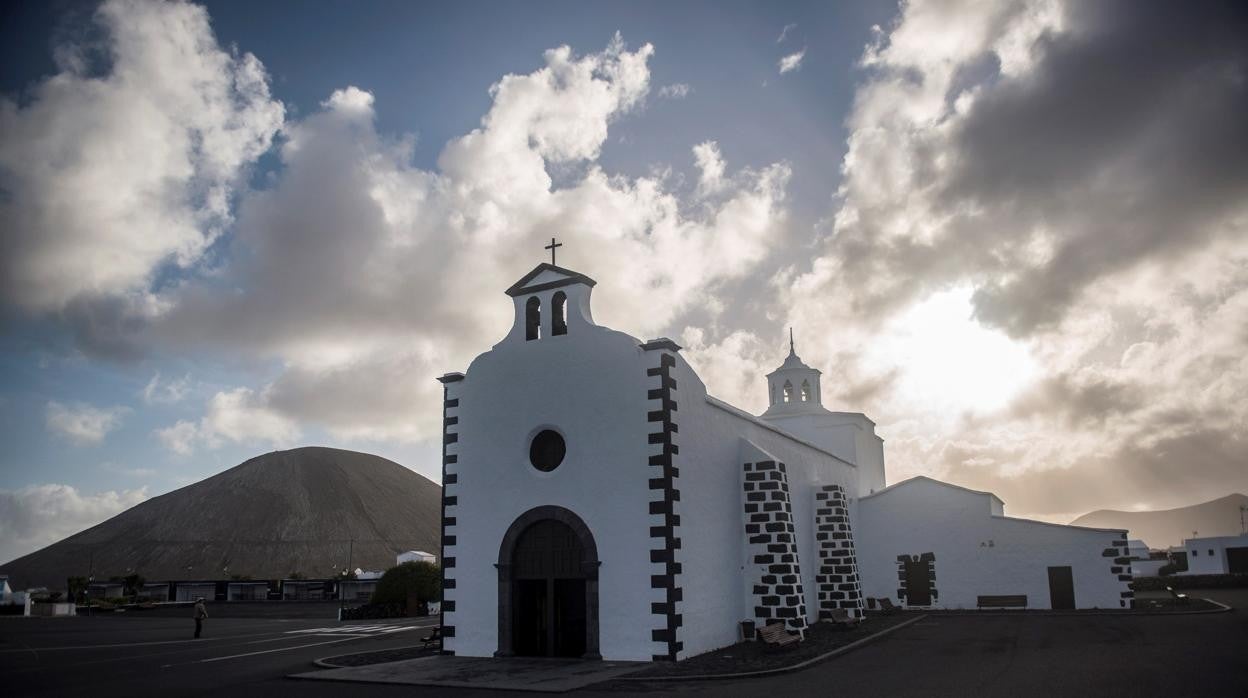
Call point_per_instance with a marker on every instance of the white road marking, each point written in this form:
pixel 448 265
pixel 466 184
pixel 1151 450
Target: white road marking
pixel 281 649
pixel 355 629
pixel 139 644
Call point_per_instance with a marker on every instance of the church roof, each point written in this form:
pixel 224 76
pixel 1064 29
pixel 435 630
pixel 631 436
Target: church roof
pixel 738 412
pixel 923 479
pixel 792 361
pixel 547 276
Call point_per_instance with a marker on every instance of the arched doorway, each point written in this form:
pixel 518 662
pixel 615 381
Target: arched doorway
pixel 548 586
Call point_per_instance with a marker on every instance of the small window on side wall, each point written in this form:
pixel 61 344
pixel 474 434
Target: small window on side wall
pixel 559 313
pixel 533 319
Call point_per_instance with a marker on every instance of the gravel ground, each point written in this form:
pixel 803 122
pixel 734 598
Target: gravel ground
pixel 754 656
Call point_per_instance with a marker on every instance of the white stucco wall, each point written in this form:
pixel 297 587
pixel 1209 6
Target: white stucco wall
pixel 1147 568
pixel 1208 555
pixel 957 526
pixel 717 576
pixel 590 386
pixel 849 435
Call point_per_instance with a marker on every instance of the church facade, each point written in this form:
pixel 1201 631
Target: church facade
pixel 597 502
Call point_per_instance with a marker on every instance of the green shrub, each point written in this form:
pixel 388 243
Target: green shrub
pixel 423 580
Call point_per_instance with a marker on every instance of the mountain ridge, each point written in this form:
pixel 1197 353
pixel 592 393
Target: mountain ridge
pixel 1163 528
pixel 312 510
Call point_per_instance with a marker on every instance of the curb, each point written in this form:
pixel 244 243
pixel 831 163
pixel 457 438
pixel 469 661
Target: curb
pixel 1039 613
pixel 324 662
pixel 778 670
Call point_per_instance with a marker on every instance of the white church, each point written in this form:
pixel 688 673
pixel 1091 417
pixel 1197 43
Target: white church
pixel 599 503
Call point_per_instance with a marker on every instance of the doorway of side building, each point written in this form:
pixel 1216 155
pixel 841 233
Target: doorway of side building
pixel 1061 588
pixel 549 603
pixel 918 584
pixel 1237 560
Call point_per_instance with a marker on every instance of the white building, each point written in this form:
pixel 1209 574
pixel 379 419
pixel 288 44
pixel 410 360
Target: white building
pixel 598 502
pixel 1217 555
pixel 415 556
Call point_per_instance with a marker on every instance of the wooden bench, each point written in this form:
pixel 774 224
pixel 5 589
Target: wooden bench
pixel 841 618
pixel 434 637
pixel 1003 601
pixel 775 635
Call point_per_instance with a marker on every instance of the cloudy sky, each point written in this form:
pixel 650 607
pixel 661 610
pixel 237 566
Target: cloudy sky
pixel 1012 233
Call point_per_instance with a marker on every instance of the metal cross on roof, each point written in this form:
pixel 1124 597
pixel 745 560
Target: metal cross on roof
pixel 552 247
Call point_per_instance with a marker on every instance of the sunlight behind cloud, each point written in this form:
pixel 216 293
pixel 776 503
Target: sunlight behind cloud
pixel 947 360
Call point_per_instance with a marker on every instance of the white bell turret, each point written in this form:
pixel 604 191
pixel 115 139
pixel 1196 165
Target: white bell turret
pixel 794 387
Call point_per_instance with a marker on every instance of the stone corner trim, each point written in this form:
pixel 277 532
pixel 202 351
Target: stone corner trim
pixel 450 498
pixel 837 578
pixel 664 501
pixel 771 547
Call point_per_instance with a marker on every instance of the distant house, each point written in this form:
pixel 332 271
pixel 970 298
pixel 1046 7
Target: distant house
pixel 1217 555
pixel 190 591
pixel 1137 549
pixel 5 590
pixel 416 556
pixel 357 589
pixel 248 591
pixel 105 590
pixel 307 589
pixel 155 591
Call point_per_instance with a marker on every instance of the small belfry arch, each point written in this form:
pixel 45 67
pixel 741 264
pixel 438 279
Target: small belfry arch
pixel 559 313
pixel 533 318
pixel 511 586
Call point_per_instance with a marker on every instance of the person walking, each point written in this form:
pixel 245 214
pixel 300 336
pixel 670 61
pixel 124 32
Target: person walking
pixel 200 614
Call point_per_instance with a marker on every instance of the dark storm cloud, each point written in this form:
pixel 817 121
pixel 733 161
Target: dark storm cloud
pixel 1087 401
pixel 1129 141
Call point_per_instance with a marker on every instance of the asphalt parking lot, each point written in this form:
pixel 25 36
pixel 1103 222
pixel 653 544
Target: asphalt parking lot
pixel 1002 655
pixel 116 655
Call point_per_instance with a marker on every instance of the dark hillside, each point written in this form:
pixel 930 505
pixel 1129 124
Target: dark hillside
pixel 282 512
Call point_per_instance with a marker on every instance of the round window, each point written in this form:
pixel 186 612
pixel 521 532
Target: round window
pixel 547 450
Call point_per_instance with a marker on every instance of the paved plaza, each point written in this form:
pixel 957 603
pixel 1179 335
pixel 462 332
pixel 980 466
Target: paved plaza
pixel 956 655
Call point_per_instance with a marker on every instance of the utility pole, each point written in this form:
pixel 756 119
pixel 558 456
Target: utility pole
pixel 342 580
pixel 90 578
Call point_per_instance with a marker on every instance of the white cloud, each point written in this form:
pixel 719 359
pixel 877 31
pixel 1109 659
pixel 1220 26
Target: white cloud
pixel 179 438
pixel 240 415
pixel 710 167
pixel 791 62
pixel 39 515
pixel 351 233
pixel 129 472
pixel 158 392
pixel 83 423
pixel 127 160
pixel 677 90
pixel 784 33
pixel 999 147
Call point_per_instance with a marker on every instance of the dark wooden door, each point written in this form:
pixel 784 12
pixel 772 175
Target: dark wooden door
pixel 532 632
pixel 918 591
pixel 1237 560
pixel 549 596
pixel 1061 588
